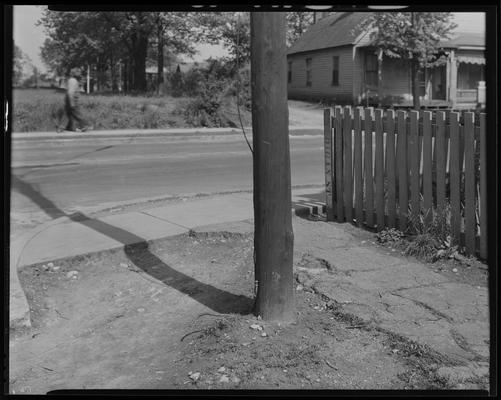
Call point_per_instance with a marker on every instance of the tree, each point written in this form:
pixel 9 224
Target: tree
pixel 20 62
pixel 414 37
pixel 297 23
pixel 273 235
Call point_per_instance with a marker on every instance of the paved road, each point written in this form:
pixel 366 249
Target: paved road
pixel 84 174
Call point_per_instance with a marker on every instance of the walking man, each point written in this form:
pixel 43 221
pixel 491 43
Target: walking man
pixel 72 106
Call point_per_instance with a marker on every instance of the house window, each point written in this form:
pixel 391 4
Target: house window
pixel 422 82
pixel 289 72
pixel 335 71
pixel 371 70
pixel 308 72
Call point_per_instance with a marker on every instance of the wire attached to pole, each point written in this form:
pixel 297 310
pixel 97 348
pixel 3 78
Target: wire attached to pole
pixel 239 81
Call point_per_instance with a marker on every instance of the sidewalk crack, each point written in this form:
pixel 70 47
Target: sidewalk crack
pixel 163 219
pixel 427 307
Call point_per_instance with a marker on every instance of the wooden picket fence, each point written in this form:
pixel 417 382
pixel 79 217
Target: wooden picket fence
pixel 386 169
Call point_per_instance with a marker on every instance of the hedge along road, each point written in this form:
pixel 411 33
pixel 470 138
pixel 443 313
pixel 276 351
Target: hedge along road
pixel 89 173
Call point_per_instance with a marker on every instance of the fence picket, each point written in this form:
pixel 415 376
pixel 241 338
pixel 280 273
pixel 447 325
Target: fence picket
pixel 368 175
pixel 379 170
pixel 339 164
pixel 455 177
pixel 390 166
pixel 357 165
pixel 427 168
pixel 403 194
pixel 328 147
pixel 348 165
pixel 470 228
pixel 440 144
pixel 414 166
pixel 483 189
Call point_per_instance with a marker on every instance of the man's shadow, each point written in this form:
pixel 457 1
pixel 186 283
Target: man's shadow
pixel 137 250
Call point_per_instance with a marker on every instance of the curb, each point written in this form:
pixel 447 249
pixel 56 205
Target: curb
pixel 176 133
pixel 19 311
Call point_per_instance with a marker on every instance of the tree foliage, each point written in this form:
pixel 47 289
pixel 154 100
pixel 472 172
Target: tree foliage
pixel 414 37
pixel 20 63
pixel 297 24
pixel 105 39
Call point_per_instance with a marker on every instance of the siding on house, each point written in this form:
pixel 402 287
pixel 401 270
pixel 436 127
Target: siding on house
pixel 321 85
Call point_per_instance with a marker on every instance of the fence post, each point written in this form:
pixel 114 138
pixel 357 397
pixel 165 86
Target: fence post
pixel 348 165
pixel 390 166
pixel 328 153
pixel 470 228
pixel 368 170
pixel 414 166
pixel 379 170
pixel 339 160
pixel 441 153
pixel 357 165
pixel 483 190
pixel 403 193
pixel 455 178
pixel 427 169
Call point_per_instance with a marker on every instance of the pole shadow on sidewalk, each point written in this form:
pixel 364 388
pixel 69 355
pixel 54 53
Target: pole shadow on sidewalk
pixel 137 250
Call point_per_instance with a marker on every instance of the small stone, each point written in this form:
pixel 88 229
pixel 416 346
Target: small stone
pixel 262 377
pixel 56 268
pixel 285 370
pixel 74 277
pixel 222 369
pixel 236 379
pixel 124 265
pixel 256 326
pixel 245 344
pixel 299 288
pixel 224 379
pixel 317 380
pixel 140 309
pixel 259 318
pixel 50 265
pixel 395 351
pixel 45 267
pixel 454 270
pixel 195 376
pixel 264 334
pixel 70 274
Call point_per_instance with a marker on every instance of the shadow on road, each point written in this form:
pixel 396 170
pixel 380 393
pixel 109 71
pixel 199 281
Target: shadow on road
pixel 137 250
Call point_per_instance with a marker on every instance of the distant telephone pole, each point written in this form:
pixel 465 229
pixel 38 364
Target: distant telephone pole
pixel 273 235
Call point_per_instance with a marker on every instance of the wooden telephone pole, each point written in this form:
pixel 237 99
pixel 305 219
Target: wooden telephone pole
pixel 273 236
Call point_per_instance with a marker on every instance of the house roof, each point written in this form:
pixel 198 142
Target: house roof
pixel 331 31
pixel 465 39
pixel 336 30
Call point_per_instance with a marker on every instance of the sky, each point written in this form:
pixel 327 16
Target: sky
pixel 30 37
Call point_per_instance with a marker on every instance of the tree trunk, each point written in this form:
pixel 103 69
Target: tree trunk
pixel 140 53
pixel 273 235
pixel 160 60
pixel 125 76
pixel 415 85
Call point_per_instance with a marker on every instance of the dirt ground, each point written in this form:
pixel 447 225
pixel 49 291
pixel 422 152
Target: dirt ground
pixel 177 314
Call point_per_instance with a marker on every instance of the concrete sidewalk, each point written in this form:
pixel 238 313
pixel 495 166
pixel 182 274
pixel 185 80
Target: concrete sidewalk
pixel 370 285
pixel 79 234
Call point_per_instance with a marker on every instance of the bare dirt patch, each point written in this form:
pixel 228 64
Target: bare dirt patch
pixel 176 313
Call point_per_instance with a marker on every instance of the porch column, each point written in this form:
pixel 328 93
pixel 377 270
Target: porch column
pixel 452 76
pixel 380 76
pixel 88 78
